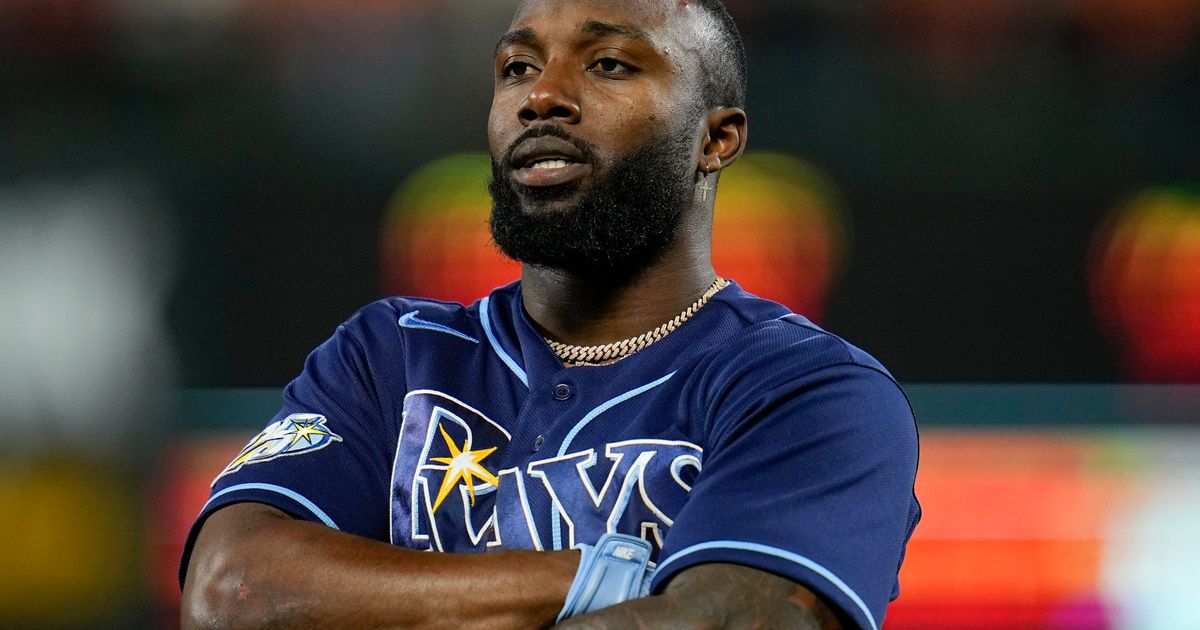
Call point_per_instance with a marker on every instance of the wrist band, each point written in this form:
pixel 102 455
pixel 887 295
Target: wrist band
pixel 610 572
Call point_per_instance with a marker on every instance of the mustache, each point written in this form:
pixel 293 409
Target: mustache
pixel 586 148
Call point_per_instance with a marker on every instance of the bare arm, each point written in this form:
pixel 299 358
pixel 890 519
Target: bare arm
pixel 254 566
pixel 714 596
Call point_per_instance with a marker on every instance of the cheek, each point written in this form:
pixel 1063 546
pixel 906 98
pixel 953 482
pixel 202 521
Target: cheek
pixel 624 114
pixel 503 124
pixel 497 131
pixel 636 124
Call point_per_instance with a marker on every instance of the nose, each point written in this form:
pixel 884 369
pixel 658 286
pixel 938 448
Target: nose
pixel 552 98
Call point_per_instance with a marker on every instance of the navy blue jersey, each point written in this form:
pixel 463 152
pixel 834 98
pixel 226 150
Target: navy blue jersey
pixel 748 435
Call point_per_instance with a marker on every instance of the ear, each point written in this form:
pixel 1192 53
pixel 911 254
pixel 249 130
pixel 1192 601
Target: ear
pixel 725 140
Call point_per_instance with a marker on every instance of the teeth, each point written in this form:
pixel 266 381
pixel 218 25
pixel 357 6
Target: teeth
pixel 550 164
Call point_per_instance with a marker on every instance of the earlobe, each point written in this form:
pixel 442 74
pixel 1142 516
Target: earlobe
pixel 725 140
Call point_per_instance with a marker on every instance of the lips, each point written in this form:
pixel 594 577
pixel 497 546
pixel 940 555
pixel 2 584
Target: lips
pixel 547 161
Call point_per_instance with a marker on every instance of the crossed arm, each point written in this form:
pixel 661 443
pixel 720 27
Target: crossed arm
pixel 254 566
pixel 718 596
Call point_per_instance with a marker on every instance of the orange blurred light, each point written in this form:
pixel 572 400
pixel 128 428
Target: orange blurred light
pixel 436 238
pixel 778 229
pixel 1145 283
pixel 1014 531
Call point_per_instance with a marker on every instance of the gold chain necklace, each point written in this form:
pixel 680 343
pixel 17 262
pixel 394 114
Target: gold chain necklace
pixel 612 352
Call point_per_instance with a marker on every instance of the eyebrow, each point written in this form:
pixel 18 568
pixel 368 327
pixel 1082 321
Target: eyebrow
pixel 595 28
pixel 606 29
pixel 513 38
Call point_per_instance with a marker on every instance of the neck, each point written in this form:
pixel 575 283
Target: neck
pixel 585 310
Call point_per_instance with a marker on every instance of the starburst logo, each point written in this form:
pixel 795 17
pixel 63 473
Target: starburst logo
pixel 463 464
pixel 296 434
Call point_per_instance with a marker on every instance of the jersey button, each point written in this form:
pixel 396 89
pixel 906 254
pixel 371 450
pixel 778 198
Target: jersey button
pixel 537 444
pixel 562 391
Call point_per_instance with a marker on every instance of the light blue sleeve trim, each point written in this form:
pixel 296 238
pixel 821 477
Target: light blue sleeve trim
pixel 556 522
pixel 298 498
pixel 778 553
pixel 486 318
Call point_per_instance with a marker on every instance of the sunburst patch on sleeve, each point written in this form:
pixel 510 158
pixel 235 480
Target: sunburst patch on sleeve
pixel 296 434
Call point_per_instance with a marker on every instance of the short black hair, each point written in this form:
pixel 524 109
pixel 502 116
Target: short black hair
pixel 723 59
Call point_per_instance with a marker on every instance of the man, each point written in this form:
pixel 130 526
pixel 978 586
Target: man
pixel 760 469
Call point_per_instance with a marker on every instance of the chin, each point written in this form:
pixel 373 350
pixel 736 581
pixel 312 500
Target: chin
pixel 529 207
pixel 557 200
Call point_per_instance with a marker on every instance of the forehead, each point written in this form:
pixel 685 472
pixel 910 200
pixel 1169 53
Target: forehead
pixel 634 9
pixel 663 21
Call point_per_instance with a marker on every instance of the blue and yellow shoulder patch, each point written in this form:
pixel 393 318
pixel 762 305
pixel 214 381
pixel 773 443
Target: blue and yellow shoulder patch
pixel 296 434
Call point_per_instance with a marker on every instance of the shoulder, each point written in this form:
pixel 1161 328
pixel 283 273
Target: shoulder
pixel 776 359
pixel 773 341
pixel 398 329
pixel 372 342
pixel 803 347
pixel 388 311
pixel 383 319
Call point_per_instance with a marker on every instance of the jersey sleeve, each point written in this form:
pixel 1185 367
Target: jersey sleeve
pixel 324 457
pixel 810 478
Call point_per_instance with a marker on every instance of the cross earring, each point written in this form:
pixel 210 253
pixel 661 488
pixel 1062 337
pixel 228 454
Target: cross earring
pixel 705 188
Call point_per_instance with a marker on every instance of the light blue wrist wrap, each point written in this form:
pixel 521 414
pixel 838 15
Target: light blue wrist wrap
pixel 610 572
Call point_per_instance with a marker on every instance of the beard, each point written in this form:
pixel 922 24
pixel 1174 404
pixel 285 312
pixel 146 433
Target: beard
pixel 620 226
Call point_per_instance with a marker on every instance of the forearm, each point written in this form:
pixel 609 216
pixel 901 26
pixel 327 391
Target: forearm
pixel 714 596
pixel 255 567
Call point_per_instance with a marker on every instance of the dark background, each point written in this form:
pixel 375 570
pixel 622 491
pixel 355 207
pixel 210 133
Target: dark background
pixel 978 145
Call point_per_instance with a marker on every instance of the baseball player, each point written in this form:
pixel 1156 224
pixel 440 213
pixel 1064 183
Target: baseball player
pixel 621 439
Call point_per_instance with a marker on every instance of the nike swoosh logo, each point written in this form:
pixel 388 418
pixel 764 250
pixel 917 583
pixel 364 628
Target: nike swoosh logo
pixel 410 320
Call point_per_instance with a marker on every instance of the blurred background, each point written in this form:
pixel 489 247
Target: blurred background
pixel 1000 199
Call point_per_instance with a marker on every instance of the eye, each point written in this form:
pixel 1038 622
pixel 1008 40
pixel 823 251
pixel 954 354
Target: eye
pixel 611 67
pixel 517 70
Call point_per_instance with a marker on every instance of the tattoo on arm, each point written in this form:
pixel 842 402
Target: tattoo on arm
pixel 714 596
